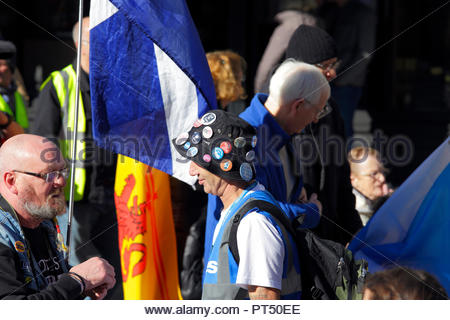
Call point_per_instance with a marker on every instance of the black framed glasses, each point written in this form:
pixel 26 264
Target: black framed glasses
pixel 49 177
pixel 324 112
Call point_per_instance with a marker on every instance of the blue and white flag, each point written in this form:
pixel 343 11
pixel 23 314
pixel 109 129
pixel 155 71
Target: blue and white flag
pixel 149 79
pixel 413 227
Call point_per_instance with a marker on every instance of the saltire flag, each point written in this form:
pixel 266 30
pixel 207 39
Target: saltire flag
pixel 412 228
pixel 146 232
pixel 149 79
pixel 149 82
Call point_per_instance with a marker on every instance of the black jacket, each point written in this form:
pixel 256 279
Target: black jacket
pixel 12 288
pixel 340 221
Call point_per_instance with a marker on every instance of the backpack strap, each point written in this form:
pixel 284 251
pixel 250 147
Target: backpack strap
pixel 291 284
pixel 262 205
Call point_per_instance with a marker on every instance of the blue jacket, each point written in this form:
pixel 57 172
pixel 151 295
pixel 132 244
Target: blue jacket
pixel 269 171
pixel 221 273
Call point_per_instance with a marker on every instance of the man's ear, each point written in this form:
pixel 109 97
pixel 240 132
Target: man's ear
pixel 10 182
pixel 297 104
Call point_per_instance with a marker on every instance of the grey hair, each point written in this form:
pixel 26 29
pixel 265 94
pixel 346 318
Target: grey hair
pixel 293 80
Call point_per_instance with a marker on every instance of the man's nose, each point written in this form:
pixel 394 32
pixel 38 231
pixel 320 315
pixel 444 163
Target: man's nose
pixel 60 180
pixel 330 74
pixel 380 177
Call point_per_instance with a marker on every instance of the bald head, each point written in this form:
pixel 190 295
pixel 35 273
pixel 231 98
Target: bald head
pixel 32 178
pixel 84 42
pixel 25 150
pixel 84 30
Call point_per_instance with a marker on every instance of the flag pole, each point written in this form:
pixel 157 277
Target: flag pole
pixel 75 130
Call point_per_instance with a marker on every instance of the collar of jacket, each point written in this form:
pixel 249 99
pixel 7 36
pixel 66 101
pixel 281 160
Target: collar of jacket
pixel 258 116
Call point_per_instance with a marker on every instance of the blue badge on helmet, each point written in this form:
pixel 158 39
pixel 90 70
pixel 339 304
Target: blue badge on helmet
pixel 196 137
pixel 246 171
pixel 192 152
pixel 217 153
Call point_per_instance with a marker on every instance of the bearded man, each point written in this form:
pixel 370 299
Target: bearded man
pixel 32 266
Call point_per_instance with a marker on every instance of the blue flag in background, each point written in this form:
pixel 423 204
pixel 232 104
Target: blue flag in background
pixel 149 79
pixel 413 227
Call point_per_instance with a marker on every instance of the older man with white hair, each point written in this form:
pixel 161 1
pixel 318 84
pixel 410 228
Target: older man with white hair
pixel 298 96
pixel 33 175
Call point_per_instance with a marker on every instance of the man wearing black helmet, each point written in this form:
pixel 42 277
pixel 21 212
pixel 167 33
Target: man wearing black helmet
pixel 221 148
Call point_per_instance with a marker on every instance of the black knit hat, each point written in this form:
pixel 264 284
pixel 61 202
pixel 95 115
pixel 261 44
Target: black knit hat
pixel 221 143
pixel 311 45
pixel 8 53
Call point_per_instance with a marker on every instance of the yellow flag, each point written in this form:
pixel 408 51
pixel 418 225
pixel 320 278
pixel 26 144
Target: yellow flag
pixel 146 232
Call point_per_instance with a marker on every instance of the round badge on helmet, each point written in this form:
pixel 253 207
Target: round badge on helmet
pixel 217 153
pixel 246 172
pixel 254 141
pixel 187 145
pixel 250 156
pixel 196 137
pixel 192 152
pixel 197 123
pixel 182 138
pixel 208 118
pixel 225 146
pixel 207 132
pixel 207 158
pixel 239 142
pixel 226 165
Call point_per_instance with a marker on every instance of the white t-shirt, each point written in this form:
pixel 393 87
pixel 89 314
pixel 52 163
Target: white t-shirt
pixel 261 250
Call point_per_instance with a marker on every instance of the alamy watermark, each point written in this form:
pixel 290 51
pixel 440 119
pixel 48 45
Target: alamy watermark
pixel 308 149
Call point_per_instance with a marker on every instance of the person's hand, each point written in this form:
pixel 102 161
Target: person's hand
pixel 13 129
pixel 98 275
pixel 303 196
pixel 97 293
pixel 315 200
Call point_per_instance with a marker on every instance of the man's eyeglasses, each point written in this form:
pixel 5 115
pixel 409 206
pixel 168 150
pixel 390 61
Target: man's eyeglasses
pixel 49 177
pixel 329 66
pixel 375 174
pixel 324 112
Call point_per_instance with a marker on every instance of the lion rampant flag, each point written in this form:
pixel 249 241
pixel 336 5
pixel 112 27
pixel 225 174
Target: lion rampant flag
pixel 146 232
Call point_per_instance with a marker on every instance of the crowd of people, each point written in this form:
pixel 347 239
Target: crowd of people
pixel 237 153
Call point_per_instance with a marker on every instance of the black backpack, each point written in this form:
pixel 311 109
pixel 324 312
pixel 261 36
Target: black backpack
pixel 328 270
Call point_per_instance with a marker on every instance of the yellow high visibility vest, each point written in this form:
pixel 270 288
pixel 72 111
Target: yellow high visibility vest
pixel 21 113
pixel 64 82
